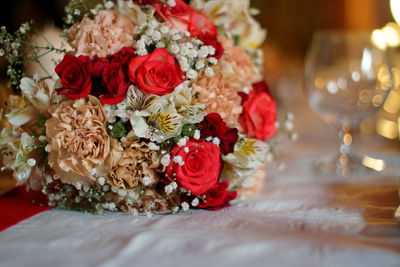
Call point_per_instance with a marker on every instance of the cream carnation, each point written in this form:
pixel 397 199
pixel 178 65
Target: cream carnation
pixel 237 67
pixel 79 140
pixel 138 164
pixel 106 34
pixel 218 98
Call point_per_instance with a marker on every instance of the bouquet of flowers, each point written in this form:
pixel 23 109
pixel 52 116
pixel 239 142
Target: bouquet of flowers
pixel 155 106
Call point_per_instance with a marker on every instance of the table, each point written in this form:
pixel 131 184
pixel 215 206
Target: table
pixel 299 219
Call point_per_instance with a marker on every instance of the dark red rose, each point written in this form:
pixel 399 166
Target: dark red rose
pixel 228 141
pixel 116 83
pixel 157 73
pixel 213 41
pixel 185 18
pixel 259 114
pixel 201 166
pixel 124 56
pixel 75 76
pixel 213 125
pixel 218 197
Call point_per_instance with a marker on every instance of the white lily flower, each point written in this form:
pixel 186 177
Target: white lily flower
pixel 20 111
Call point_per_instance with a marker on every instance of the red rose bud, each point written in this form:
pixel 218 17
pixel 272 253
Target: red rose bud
pixel 217 197
pixel 116 82
pixel 75 76
pixel 196 166
pixel 213 125
pixel 157 73
pixel 259 114
pixel 185 18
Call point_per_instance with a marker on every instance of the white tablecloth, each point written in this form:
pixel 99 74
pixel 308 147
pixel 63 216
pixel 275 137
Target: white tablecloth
pixel 299 219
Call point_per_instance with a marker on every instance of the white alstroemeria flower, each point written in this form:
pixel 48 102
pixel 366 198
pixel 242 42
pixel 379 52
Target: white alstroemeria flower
pixel 235 16
pixel 15 149
pixel 248 156
pixel 37 92
pixel 183 100
pixel 20 111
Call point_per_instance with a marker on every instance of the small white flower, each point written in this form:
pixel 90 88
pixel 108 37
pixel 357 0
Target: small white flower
pixel 175 209
pixel 200 64
pixel 195 202
pixel 153 146
pixel 78 186
pixel 86 188
pixel 101 181
pixel 109 5
pixel 289 125
pixel 42 139
pixel 114 189
pixel 196 134
pixel 192 74
pixel 209 72
pixel 182 141
pixel 171 3
pixel 179 160
pixel 168 189
pixel 216 141
pixel 186 149
pixel 146 180
pixel 31 162
pixel 185 206
pixel 48 148
pixel 164 29
pixel 176 37
pixel 213 60
pixel 122 193
pixel 156 36
pixel 166 160
pixel 174 185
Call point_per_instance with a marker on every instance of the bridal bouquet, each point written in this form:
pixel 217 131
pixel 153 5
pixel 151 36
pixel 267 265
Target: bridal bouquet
pixel 155 106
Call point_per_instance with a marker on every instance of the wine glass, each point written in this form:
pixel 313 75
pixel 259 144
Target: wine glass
pixel 347 79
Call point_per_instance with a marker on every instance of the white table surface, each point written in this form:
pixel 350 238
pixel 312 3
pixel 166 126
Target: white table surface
pixel 299 219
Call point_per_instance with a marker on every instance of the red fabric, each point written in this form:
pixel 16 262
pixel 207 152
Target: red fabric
pixel 19 205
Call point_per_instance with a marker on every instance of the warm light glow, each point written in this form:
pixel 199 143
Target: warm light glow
pixel 392 34
pixel 378 38
pixel 395 8
pixel 386 128
pixel 375 164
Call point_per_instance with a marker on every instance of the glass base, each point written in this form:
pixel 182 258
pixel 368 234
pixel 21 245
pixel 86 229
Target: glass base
pixel 341 165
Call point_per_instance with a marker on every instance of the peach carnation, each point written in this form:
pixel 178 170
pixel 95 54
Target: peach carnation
pixel 218 98
pixel 106 34
pixel 78 139
pixel 137 165
pixel 237 67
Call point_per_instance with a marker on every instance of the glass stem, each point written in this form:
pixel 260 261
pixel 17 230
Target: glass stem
pixel 346 140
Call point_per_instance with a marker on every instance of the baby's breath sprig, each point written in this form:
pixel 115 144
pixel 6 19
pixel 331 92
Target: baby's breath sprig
pixel 12 47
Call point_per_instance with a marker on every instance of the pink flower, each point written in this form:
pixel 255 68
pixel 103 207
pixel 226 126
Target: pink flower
pixel 106 34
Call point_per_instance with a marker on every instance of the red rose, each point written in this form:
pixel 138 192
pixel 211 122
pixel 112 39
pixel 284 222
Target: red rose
pixel 75 74
pixel 156 73
pixel 218 197
pixel 259 115
pixel 185 18
pixel 213 125
pixel 201 166
pixel 98 66
pixel 116 83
